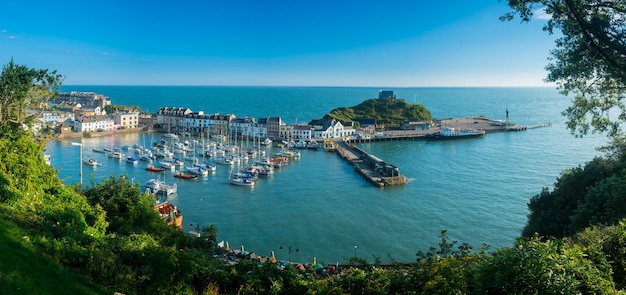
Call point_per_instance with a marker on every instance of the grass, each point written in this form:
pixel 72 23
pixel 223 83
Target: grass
pixel 25 271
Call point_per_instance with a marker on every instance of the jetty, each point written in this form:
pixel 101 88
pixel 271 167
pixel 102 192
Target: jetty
pixel 381 174
pixel 473 122
pixel 374 170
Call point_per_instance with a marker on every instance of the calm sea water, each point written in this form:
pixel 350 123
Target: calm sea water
pixel 477 189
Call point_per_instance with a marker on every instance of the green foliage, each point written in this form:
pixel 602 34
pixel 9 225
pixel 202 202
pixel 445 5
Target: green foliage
pixel 24 271
pixel 536 267
pixel 588 60
pixel 581 197
pixel 22 88
pixel 111 233
pixel 112 109
pixel 387 111
pixel 128 209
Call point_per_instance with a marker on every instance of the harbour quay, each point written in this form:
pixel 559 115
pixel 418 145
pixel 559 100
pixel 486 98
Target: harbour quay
pixel 473 122
pixel 381 174
pixel 374 170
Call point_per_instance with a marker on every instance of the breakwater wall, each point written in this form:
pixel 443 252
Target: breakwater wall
pixel 374 170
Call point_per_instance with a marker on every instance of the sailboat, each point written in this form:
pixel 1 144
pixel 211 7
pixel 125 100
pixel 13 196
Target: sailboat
pixel 236 178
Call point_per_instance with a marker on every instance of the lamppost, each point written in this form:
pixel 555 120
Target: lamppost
pixel 289 252
pixel 80 160
pixel 355 253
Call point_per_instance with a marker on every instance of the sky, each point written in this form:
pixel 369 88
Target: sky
pixel 404 43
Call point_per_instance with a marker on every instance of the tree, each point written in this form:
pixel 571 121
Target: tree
pixel 22 88
pixel 589 60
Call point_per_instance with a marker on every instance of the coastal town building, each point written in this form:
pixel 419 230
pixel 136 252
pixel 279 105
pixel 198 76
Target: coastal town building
pixel 302 132
pixel 171 119
pixel 64 128
pixel 382 94
pixel 272 124
pixel 93 124
pixel 241 127
pixel 333 129
pixel 197 123
pixel 284 131
pixel 366 123
pixel 146 120
pixel 126 119
pixel 220 123
pixel 415 126
pixel 247 128
pixel 50 117
pixel 85 99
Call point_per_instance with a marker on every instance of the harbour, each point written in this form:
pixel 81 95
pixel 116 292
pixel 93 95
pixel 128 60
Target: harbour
pixel 477 189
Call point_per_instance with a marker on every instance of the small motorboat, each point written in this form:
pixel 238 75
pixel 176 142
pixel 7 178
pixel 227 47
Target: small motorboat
pixel 180 174
pixel 152 168
pixel 91 162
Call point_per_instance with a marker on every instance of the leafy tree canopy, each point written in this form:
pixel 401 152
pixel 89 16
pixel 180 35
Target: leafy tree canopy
pixel 22 88
pixel 589 60
pixel 386 111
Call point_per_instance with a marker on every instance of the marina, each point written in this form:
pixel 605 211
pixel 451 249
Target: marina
pixel 477 189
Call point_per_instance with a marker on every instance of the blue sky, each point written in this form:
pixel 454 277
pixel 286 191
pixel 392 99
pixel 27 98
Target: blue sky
pixel 284 43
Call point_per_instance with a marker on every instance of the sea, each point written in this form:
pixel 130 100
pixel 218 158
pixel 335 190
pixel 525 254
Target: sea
pixel 476 189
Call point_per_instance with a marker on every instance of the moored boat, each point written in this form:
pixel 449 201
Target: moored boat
pixel 207 166
pixel 195 170
pixel 267 141
pixel 115 154
pixel 453 133
pixel 180 174
pixel 329 145
pixel 312 145
pixel 152 168
pixel 91 162
pixel 156 186
pixel 167 165
pixel 236 179
pixel 131 160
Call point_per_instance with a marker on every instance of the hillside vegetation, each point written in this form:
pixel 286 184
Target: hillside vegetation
pixel 387 112
pixel 106 237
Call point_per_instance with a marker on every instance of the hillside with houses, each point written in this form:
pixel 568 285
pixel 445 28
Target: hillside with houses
pixel 86 112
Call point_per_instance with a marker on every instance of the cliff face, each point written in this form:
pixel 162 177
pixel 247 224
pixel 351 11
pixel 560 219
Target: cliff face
pixel 386 111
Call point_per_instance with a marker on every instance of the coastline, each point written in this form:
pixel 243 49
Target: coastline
pixel 99 134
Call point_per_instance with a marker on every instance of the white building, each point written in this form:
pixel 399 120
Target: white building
pixel 126 119
pixel 50 117
pixel 247 127
pixel 301 132
pixel 333 130
pixel 93 124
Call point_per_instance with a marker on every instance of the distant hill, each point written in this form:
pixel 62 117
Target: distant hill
pixel 389 112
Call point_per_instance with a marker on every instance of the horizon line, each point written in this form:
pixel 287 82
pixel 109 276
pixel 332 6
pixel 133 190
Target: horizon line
pixel 316 86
